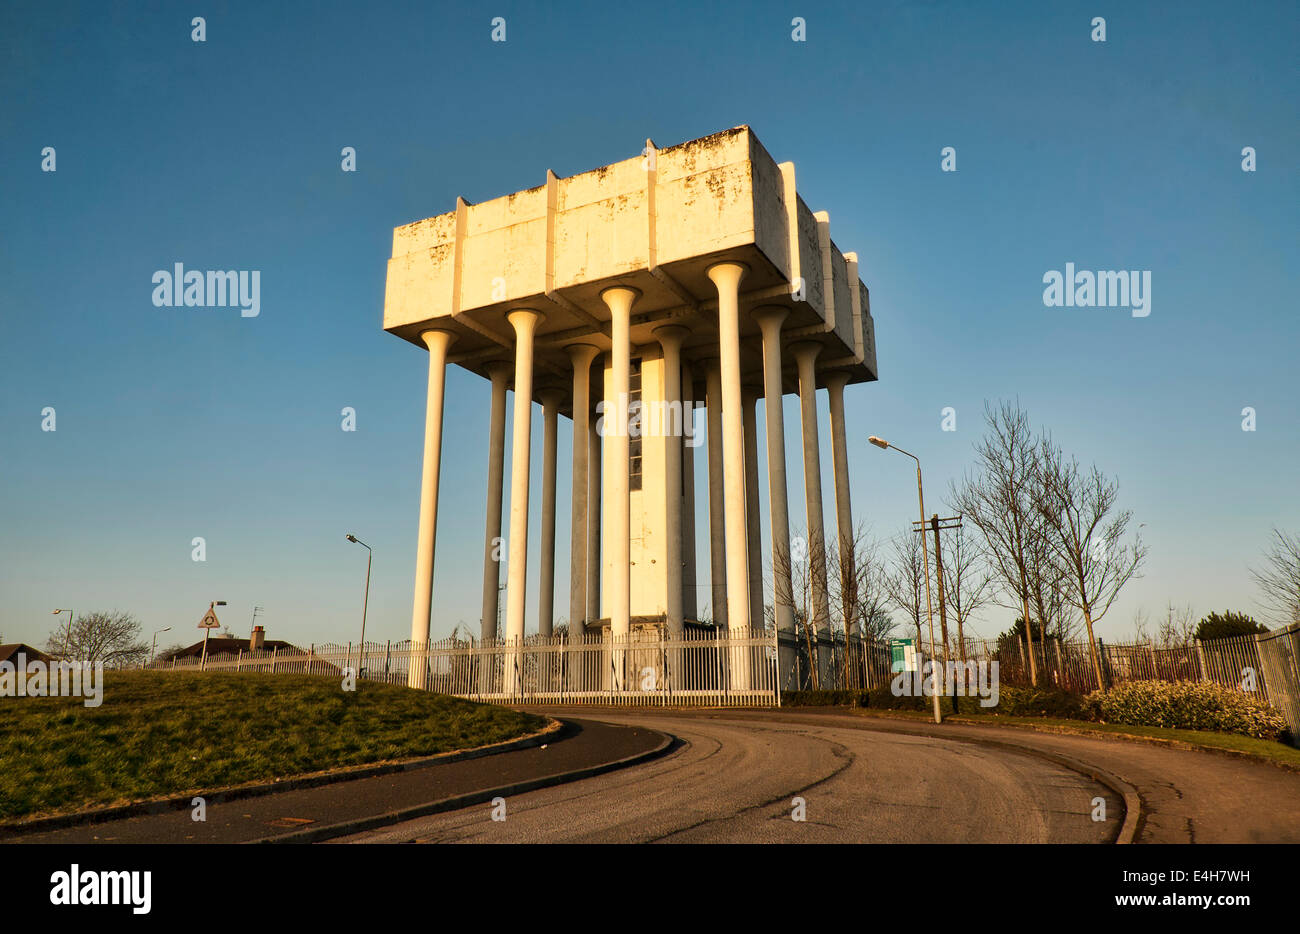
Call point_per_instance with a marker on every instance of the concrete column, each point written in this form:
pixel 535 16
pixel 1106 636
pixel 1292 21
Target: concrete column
pixel 670 338
pixel 595 462
pixel 805 354
pixel 581 355
pixel 769 320
pixel 690 571
pixel 525 323
pixel 618 536
pixel 835 381
pixel 726 278
pixel 437 342
pixel 551 399
pixel 717 514
pixel 753 521
pixel 499 373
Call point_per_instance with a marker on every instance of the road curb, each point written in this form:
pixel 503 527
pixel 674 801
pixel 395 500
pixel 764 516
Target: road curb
pixel 360 825
pixel 310 780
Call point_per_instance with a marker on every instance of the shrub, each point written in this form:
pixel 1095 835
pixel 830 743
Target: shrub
pixel 1188 705
pixel 823 699
pixel 1039 702
pixel 1227 624
pixel 1012 701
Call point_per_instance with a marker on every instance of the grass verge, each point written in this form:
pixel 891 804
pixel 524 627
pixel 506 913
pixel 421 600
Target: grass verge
pixel 1271 751
pixel 167 733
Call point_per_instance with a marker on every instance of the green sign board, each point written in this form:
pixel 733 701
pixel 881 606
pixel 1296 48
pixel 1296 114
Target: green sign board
pixel 902 654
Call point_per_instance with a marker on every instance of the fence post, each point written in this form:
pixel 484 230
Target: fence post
pixel 311 657
pixel 238 659
pixel 1155 666
pixel 1200 661
pixel 1261 677
pixel 1101 661
pixel 273 654
pixel 1060 672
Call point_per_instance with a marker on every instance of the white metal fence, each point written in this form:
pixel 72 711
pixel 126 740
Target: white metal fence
pixel 752 667
pixel 722 668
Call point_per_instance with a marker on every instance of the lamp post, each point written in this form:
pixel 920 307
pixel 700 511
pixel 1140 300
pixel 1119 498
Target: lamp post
pixel 361 653
pixel 67 639
pixel 925 557
pixel 153 651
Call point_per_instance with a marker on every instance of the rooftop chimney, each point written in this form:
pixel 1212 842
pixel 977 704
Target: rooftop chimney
pixel 256 640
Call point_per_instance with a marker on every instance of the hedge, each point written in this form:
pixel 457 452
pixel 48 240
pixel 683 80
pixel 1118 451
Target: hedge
pixel 1188 705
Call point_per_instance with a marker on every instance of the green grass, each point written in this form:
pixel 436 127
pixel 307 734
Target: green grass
pixel 1271 751
pixel 166 733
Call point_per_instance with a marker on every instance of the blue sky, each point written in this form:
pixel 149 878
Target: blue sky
pixel 181 422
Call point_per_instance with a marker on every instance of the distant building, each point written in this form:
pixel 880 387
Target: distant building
pixel 222 645
pixel 10 651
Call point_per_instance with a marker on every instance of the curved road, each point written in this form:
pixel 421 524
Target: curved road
pixel 734 776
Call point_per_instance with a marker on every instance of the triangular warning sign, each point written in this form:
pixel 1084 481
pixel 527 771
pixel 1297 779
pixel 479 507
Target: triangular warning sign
pixel 209 620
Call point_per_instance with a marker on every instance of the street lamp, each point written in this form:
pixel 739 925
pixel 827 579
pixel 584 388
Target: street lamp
pixel 361 653
pixel 925 557
pixel 67 640
pixel 154 649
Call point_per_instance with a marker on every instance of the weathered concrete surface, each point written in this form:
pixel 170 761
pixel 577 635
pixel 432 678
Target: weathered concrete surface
pixel 654 222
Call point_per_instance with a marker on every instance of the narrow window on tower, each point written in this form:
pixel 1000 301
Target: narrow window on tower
pixel 633 407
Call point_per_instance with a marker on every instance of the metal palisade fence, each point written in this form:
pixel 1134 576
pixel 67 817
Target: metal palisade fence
pixel 1279 657
pixel 751 667
pixel 718 668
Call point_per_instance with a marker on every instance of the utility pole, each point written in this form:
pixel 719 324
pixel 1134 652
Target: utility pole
pixel 937 525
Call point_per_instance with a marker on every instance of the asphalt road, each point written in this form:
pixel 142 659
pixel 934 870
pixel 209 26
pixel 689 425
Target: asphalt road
pixel 735 776
pixel 294 813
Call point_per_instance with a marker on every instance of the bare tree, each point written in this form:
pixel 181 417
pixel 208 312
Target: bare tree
pixel 166 652
pixel 1001 501
pixel 1088 536
pixel 1279 579
pixel 108 637
pixel 803 557
pixel 1048 584
pixel 859 593
pixel 904 582
pixel 877 626
pixel 967 582
pixel 858 589
pixel 1141 625
pixel 1177 629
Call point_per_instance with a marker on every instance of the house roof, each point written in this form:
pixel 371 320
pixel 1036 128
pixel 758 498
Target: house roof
pixel 10 649
pixel 220 645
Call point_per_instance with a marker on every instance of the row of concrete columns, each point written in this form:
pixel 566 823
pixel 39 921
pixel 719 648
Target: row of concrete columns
pixel 735 550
